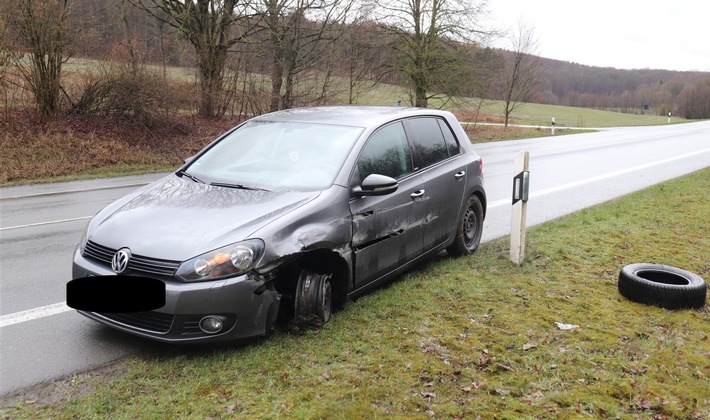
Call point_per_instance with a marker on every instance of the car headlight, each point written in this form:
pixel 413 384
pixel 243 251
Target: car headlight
pixel 228 261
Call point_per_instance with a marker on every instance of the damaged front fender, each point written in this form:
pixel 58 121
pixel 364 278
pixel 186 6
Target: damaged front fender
pixel 309 231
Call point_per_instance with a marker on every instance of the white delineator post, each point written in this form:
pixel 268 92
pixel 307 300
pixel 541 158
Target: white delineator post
pixel 521 186
pixel 552 126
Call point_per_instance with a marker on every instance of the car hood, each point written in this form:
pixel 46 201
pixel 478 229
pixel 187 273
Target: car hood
pixel 177 219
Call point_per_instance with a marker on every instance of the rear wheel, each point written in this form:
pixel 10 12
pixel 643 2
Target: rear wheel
pixel 469 229
pixel 314 296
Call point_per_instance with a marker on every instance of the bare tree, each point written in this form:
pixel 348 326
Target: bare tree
pixel 6 59
pixel 363 56
pixel 300 32
pixel 5 53
pixel 486 68
pixel 521 74
pixel 42 30
pixel 129 37
pixel 211 26
pixel 425 34
pixel 694 100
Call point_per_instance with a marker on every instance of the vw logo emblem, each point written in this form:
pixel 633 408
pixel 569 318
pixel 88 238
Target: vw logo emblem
pixel 119 263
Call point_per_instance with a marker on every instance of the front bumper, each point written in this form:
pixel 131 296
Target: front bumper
pixel 247 305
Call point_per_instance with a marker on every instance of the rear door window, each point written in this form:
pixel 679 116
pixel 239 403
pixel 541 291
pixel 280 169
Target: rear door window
pixel 428 143
pixel 451 144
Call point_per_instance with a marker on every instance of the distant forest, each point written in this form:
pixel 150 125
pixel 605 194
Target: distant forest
pixel 630 91
pixel 262 55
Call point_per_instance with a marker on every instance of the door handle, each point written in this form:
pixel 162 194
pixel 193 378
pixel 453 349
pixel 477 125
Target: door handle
pixel 459 175
pixel 417 194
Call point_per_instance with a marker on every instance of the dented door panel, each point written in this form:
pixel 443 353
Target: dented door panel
pixel 387 232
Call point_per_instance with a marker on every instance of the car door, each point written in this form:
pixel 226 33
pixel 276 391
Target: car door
pixel 386 231
pixel 442 177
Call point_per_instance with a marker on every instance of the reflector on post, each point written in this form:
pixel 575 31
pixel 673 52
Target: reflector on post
pixel 521 193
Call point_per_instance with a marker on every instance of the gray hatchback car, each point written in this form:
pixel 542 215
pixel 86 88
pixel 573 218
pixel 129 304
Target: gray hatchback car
pixel 288 215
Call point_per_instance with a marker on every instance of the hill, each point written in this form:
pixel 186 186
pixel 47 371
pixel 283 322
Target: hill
pixel 648 91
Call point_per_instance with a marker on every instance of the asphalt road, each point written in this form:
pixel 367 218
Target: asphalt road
pixel 42 339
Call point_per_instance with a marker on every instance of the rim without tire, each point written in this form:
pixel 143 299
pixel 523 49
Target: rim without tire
pixel 314 296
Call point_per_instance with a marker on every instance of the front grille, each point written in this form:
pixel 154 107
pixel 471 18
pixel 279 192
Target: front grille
pixel 98 252
pixel 191 325
pixel 137 263
pixel 149 321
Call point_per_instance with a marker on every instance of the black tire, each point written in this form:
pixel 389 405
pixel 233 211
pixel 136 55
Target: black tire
pixel 662 285
pixel 469 229
pixel 314 296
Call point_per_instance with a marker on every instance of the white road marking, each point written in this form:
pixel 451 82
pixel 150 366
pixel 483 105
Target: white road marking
pixel 32 314
pixel 46 223
pixel 57 308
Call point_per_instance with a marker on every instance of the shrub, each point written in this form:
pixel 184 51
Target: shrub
pixel 140 95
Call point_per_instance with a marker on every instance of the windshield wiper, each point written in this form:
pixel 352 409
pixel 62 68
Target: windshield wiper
pixel 236 186
pixel 182 173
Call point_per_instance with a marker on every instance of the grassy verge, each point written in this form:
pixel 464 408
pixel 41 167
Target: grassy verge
pixel 490 133
pixel 460 338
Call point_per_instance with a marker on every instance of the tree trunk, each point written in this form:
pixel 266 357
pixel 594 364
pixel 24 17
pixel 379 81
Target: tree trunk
pixel 43 29
pixel 420 98
pixel 276 83
pixel 211 67
pixel 276 69
pixel 46 84
pixel 288 91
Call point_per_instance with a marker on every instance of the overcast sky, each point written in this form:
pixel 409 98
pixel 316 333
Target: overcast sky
pixel 626 34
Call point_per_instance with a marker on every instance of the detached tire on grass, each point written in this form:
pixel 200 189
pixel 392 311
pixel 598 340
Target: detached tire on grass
pixel 662 285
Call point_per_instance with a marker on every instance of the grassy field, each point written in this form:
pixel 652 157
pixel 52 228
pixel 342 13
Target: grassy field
pixel 566 116
pixel 529 113
pixel 461 338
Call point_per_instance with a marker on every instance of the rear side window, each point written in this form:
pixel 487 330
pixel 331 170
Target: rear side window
pixel 428 143
pixel 386 153
pixel 451 144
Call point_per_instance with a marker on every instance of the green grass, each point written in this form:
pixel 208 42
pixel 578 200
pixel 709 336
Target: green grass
pixel 530 113
pixel 78 67
pixel 567 116
pixel 459 338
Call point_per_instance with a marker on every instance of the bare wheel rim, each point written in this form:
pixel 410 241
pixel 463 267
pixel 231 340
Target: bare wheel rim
pixel 470 227
pixel 326 298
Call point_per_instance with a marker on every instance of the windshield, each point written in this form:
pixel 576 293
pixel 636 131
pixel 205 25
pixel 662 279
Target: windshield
pixel 275 155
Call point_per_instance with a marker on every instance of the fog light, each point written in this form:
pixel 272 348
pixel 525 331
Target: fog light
pixel 211 324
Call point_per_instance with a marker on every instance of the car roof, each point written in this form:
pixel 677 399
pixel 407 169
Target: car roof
pixel 351 115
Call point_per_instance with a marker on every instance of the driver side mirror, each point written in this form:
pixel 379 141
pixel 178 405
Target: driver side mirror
pixel 376 184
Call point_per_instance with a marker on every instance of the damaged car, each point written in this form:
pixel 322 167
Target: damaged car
pixel 286 216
